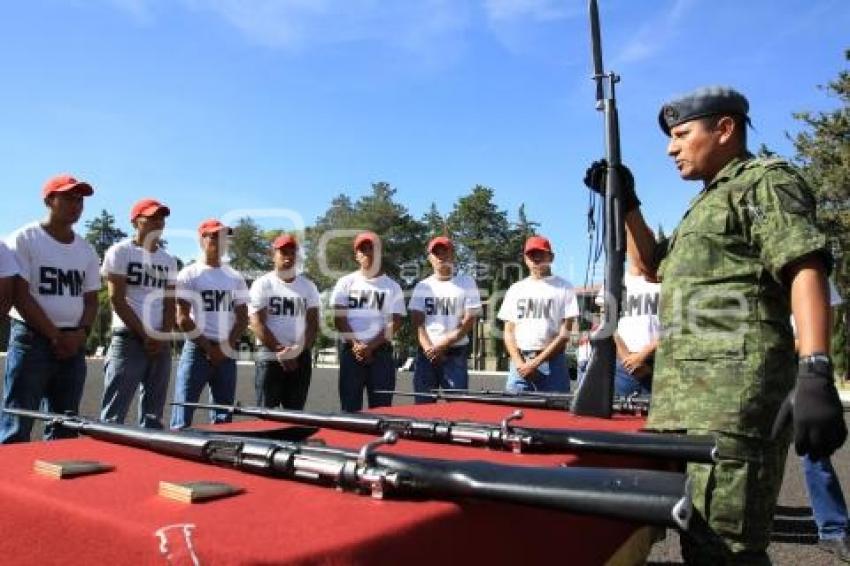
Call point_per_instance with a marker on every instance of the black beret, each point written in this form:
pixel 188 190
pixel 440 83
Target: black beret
pixel 706 101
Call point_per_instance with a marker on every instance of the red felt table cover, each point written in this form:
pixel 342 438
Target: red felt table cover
pixel 113 518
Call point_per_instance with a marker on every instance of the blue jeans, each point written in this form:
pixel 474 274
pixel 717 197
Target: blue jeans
pixel 827 500
pixel 452 373
pixel 194 371
pixel 355 376
pixel 276 387
pixel 626 384
pixel 128 368
pixel 552 375
pixel 36 380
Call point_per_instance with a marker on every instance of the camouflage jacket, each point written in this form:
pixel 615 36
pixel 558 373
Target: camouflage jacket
pixel 726 360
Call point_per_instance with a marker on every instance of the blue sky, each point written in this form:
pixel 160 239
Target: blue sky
pixel 222 106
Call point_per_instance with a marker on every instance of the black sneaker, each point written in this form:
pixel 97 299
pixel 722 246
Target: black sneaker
pixel 840 547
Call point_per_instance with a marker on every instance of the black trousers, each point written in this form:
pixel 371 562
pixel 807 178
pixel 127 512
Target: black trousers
pixel 276 387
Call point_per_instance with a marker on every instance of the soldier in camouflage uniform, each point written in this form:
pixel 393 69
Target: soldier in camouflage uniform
pixel 745 256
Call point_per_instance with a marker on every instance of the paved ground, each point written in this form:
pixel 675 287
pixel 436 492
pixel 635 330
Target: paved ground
pixel 793 541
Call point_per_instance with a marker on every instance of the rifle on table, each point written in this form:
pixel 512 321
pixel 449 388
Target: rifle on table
pixel 503 436
pixel 530 399
pixel 654 497
pixel 635 403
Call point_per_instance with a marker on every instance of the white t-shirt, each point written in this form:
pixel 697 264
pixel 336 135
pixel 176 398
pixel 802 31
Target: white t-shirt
pixel 370 303
pixel 58 274
pixel 444 304
pixel 537 307
pixel 8 263
pixel 639 324
pixel 148 275
pixel 286 305
pixel 214 293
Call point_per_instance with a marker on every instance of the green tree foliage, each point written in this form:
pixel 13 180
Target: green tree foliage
pixel 102 232
pixel 823 153
pixel 482 235
pixel 489 249
pixel 327 253
pixel 249 249
pixel 522 229
pixel 435 224
pixel 765 151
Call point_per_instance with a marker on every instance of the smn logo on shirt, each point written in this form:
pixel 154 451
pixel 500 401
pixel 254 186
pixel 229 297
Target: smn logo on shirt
pixel 440 305
pixel 534 308
pixel 147 276
pixel 288 306
pixel 639 304
pixel 366 299
pixel 216 300
pixel 57 281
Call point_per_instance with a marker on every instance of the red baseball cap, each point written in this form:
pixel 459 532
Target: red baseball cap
pixel 537 243
pixel 364 237
pixel 148 207
pixel 64 183
pixel 211 226
pixel 440 241
pixel 284 240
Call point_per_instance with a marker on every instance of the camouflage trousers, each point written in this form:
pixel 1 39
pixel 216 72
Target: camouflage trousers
pixel 734 501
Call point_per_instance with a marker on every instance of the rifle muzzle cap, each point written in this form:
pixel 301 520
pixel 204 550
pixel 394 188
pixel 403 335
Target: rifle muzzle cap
pixel 705 101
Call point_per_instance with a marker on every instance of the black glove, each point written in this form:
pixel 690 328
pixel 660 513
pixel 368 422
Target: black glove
pixel 594 178
pixel 816 410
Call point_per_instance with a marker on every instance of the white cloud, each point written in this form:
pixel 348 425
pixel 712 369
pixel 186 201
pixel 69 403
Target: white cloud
pixel 139 10
pixel 432 32
pixel 535 10
pixel 652 36
pixel 298 24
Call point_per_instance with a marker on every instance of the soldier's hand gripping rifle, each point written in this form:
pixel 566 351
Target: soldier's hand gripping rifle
pixel 645 496
pixel 504 436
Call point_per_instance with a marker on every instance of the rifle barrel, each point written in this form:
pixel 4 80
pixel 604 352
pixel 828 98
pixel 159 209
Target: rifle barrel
pixel 354 422
pixel 548 394
pixel 596 49
pixel 681 447
pixel 503 436
pixel 506 399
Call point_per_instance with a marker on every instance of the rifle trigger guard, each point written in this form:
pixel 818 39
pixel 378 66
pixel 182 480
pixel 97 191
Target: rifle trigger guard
pixel 371 478
pixel 508 435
